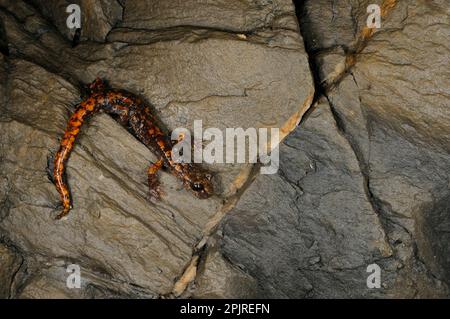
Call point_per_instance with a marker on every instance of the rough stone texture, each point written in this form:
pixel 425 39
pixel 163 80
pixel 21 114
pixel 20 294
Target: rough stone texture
pixel 364 179
pixel 49 280
pixel 10 263
pixel 112 226
pixel 390 118
pixel 308 231
pixel 330 24
pixel 97 17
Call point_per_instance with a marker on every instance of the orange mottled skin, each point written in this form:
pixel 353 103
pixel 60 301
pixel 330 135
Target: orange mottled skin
pixel 131 112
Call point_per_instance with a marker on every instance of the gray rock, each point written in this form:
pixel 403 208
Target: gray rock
pixel 363 180
pixel 402 99
pixel 310 230
pixel 97 17
pixel 217 278
pixel 234 15
pixel 327 24
pixel 196 74
pixel 51 280
pixel 393 110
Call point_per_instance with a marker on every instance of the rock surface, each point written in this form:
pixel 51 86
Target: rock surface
pixel 10 263
pixel 388 116
pixel 308 231
pixel 219 279
pixel 363 179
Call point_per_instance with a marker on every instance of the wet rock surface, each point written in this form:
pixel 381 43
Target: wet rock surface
pixel 363 179
pixel 97 17
pixel 114 231
pixel 10 262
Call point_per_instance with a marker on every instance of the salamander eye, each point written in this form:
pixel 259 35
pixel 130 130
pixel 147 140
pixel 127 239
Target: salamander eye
pixel 197 187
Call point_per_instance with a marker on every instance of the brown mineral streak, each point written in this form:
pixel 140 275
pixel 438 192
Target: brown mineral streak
pixel 140 121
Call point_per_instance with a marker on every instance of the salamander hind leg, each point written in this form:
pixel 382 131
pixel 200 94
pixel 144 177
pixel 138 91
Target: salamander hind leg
pixel 153 182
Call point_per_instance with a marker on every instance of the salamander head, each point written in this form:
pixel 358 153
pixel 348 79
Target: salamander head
pixel 200 184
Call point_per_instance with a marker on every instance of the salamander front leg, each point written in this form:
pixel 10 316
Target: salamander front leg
pixel 153 182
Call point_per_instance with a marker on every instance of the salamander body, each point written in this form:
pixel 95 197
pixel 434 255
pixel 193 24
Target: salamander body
pixel 130 111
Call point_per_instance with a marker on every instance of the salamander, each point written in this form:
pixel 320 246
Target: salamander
pixel 130 111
